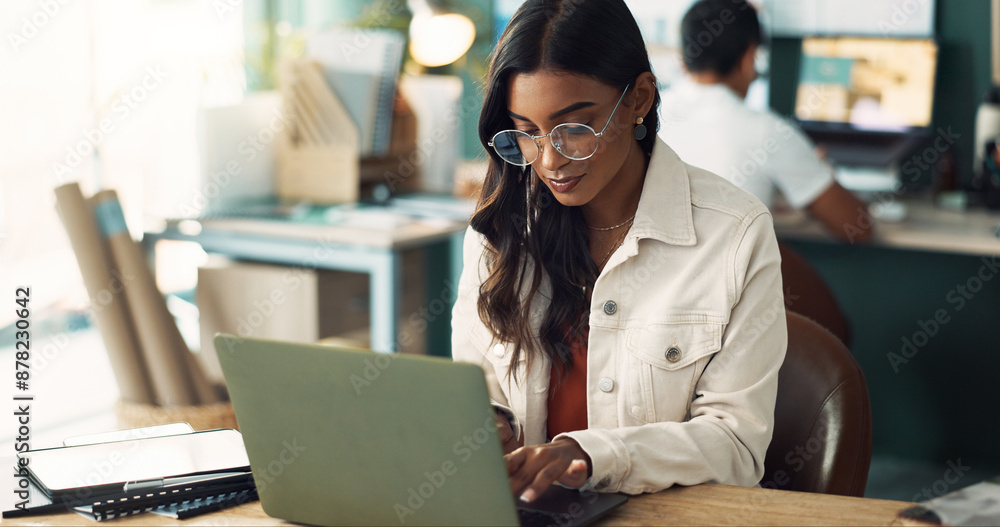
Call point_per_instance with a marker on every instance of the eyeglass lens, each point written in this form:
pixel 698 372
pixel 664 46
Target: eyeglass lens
pixel 574 141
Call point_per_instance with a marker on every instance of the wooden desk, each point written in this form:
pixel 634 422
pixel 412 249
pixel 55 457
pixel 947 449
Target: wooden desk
pixel 727 505
pixel 925 228
pixel 699 505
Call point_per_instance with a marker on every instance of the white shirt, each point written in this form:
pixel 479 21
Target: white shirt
pixel 687 332
pixel 710 127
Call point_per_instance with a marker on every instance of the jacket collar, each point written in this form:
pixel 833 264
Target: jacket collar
pixel 664 211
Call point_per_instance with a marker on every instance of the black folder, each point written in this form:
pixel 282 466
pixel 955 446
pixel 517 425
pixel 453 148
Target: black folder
pixel 181 474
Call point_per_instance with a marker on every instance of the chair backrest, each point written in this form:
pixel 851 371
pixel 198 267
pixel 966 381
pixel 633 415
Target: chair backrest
pixel 822 419
pixel 807 293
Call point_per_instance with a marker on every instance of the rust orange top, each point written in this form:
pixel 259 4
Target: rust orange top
pixel 567 402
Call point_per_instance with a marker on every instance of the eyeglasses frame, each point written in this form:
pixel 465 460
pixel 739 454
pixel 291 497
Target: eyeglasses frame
pixel 538 147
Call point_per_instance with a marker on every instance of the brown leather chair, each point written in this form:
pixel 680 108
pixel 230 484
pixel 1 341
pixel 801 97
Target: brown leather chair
pixel 807 293
pixel 822 420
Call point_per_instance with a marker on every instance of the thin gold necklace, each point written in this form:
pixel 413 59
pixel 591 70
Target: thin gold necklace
pixel 618 243
pixel 613 227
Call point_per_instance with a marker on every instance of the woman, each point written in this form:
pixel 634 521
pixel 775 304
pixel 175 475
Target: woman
pixel 626 307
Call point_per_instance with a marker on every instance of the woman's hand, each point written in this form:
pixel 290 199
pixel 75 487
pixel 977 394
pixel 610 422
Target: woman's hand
pixel 533 469
pixel 508 439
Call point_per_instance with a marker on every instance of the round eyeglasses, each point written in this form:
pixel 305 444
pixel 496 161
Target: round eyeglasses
pixel 573 140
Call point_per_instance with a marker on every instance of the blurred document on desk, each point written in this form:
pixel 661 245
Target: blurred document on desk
pixel 372 218
pixel 360 225
pixel 977 504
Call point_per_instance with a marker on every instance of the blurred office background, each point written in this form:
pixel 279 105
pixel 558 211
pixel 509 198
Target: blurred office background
pixel 152 69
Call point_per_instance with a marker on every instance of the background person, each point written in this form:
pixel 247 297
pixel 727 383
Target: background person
pixel 707 123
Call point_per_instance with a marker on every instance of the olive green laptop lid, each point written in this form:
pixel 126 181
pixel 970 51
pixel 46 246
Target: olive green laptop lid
pixel 349 437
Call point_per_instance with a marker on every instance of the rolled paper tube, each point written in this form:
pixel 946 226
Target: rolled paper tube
pixel 162 345
pixel 104 285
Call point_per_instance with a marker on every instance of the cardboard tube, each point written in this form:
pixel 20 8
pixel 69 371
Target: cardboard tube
pixel 105 287
pixel 162 345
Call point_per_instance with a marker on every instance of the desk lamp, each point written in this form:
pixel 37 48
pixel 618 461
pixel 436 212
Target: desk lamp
pixel 438 37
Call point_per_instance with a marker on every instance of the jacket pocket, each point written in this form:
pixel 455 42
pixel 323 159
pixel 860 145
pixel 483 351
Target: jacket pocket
pixel 664 363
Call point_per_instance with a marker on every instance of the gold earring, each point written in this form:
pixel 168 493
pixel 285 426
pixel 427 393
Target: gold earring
pixel 640 129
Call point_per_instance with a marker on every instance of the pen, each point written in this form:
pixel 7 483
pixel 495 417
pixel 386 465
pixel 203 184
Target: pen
pixel 38 509
pixel 132 486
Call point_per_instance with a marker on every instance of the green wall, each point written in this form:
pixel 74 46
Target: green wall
pixel 943 402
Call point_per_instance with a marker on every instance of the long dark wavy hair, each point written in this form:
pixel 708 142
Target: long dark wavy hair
pixel 529 233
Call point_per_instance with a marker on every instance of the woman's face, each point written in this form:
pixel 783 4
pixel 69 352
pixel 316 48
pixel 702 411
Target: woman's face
pixel 541 100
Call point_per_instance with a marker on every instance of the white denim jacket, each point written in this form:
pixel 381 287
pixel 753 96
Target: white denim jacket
pixel 687 332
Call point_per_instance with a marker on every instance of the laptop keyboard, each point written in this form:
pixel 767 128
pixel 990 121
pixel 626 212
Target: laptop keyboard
pixel 860 153
pixel 537 518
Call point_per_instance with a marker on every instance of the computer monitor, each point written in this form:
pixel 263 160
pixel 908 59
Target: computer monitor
pixel 866 84
pixel 877 18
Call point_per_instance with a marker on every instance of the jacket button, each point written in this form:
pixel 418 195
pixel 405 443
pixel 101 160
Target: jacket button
pixel 499 350
pixel 606 385
pixel 610 307
pixel 673 354
pixel 603 483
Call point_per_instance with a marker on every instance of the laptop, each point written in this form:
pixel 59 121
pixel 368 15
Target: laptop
pixel 867 101
pixel 337 436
